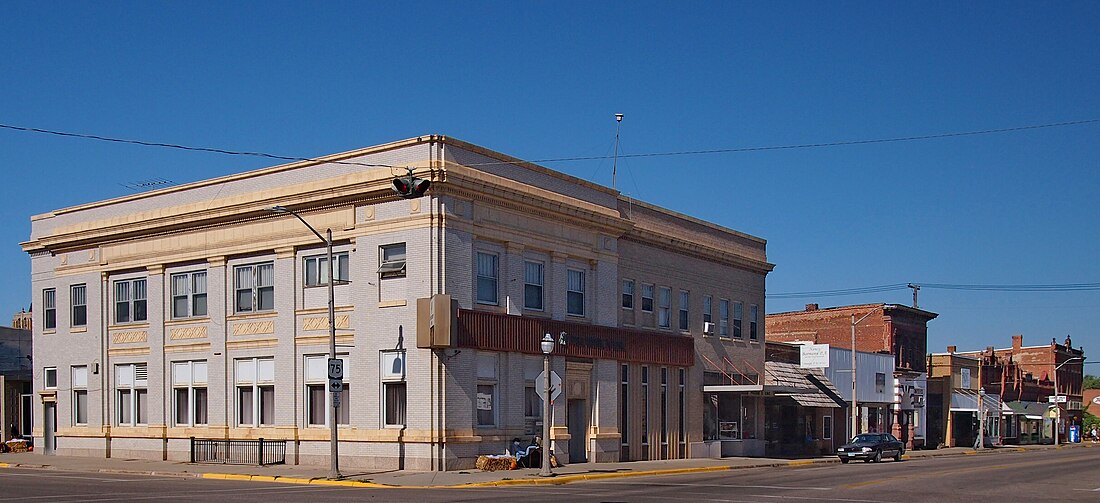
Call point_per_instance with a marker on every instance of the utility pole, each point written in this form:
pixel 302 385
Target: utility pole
pixel 854 429
pixel 916 288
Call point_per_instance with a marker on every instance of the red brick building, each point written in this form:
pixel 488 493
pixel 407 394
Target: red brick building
pixel 1026 374
pixel 894 329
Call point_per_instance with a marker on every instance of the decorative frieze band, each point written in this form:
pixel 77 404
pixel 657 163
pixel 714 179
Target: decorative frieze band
pixel 129 337
pixel 321 322
pixel 254 328
pixel 183 333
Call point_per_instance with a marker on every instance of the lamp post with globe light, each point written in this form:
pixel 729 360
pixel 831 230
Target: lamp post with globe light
pixel 547 347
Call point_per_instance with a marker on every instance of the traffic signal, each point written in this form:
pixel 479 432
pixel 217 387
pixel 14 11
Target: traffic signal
pixel 409 186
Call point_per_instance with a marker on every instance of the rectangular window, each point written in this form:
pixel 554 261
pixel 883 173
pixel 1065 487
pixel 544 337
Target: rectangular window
pixel 628 294
pixel 255 287
pixel 49 376
pixel 487 273
pixel 394 388
pixel 664 307
pixel 682 414
pixel 486 389
pixel 708 304
pixel 624 407
pixel 684 298
pixel 316 269
pixel 189 294
pixel 49 309
pixel 80 395
pixel 532 285
pixel 79 305
pixel 737 315
pixel 319 398
pixel 255 379
pixel 664 406
pixel 827 427
pixel 723 318
pixel 575 298
pixel 645 406
pixel 131 390
pixel 647 298
pixel 189 392
pixel 395 403
pixel 130 302
pixel 880 382
pixel 753 319
pixel 392 261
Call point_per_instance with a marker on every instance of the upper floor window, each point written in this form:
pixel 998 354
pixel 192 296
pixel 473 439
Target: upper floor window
pixel 189 294
pixel 684 298
pixel 487 274
pixel 392 260
pixel 49 309
pixel 130 304
pixel 737 315
pixel 664 307
pixel 752 322
pixel 723 318
pixel 575 296
pixel 532 285
pixel 49 377
pixel 647 298
pixel 316 269
pixel 628 294
pixel 79 305
pixel 255 287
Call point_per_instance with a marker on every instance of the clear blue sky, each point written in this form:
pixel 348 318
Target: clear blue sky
pixel 543 79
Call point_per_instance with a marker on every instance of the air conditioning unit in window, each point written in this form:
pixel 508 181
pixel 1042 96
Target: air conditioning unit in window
pixel 708 328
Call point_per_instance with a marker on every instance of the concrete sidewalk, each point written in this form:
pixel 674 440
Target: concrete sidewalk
pixel 298 474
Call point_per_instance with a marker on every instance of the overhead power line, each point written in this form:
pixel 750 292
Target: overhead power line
pixel 182 147
pixel 1063 287
pixel 568 159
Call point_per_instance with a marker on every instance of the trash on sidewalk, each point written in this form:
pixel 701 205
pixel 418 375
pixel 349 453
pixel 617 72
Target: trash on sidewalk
pixel 16 445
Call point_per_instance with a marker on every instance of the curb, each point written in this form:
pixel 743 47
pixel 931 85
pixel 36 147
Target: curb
pixel 555 480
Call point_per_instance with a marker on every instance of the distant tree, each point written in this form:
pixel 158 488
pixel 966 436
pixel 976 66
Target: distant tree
pixel 1091 382
pixel 1090 421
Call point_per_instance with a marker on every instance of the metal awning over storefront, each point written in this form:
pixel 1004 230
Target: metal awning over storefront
pixel 966 400
pixel 807 387
pixel 1029 410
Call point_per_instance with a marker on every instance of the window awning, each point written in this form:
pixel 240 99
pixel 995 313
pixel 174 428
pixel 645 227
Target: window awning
pixel 966 400
pixel 1029 410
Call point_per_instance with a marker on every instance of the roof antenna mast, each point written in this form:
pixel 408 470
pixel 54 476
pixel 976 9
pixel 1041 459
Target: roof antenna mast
pixel 615 162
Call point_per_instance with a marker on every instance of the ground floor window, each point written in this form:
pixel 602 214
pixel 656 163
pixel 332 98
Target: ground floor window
pixel 394 388
pixel 255 391
pixel 827 427
pixel 319 398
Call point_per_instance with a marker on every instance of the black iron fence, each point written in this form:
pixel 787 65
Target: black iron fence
pixel 238 452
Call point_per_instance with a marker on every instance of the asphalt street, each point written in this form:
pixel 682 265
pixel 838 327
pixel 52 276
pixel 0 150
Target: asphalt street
pixel 1052 475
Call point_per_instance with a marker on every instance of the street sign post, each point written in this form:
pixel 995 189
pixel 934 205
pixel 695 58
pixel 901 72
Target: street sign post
pixel 1057 399
pixel 555 385
pixel 335 375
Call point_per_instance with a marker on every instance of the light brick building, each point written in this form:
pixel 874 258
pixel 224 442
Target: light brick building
pixel 191 311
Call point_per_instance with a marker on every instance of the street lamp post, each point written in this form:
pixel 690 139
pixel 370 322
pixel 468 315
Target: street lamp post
pixel 547 346
pixel 854 429
pixel 334 443
pixel 1057 404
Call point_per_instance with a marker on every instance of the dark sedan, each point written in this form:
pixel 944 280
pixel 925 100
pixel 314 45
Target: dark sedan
pixel 871 447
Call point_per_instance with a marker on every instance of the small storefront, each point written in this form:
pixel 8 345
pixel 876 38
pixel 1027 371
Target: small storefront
pixel 1028 422
pixel 963 420
pixel 802 410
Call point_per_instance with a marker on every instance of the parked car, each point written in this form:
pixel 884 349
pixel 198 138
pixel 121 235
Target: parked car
pixel 871 447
